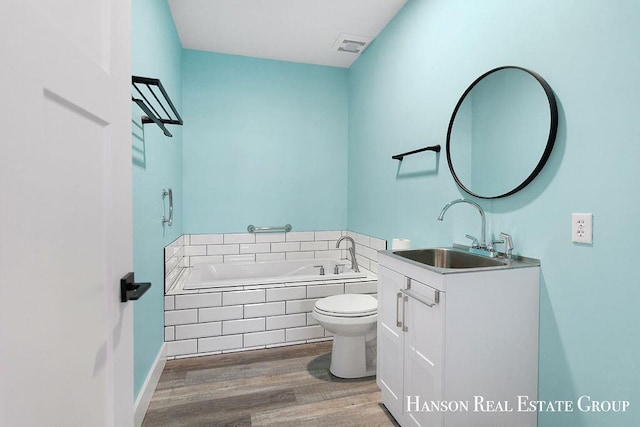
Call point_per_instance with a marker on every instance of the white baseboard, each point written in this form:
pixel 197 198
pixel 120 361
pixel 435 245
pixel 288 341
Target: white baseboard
pixel 149 386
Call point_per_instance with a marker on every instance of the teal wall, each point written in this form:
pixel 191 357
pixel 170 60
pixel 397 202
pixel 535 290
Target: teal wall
pixel 265 143
pixel 157 164
pixel 401 94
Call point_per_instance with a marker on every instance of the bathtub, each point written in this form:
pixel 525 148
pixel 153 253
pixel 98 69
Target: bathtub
pixel 207 276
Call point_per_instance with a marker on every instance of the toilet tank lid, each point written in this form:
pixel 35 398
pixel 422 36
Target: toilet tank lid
pixel 348 304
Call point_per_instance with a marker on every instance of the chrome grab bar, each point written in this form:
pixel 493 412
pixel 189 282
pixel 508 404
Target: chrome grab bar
pixel 254 229
pixel 165 193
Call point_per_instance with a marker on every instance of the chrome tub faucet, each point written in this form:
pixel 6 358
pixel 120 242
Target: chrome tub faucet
pixel 352 251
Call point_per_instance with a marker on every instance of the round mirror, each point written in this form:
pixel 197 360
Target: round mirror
pixel 501 132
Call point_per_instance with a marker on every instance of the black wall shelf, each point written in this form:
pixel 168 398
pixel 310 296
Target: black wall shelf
pixel 154 102
pixel 435 148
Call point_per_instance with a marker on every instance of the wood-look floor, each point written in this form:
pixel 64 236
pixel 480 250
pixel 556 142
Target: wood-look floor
pixel 285 386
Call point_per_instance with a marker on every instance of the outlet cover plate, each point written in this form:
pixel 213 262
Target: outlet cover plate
pixel 582 228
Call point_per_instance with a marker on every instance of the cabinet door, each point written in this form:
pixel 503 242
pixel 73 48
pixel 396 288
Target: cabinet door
pixel 423 355
pixel 390 340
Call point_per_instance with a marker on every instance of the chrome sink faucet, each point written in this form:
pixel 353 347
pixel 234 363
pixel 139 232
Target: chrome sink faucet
pixel 483 242
pixel 352 251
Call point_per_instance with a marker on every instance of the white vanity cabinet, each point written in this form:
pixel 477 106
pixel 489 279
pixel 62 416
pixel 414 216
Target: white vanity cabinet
pixel 457 348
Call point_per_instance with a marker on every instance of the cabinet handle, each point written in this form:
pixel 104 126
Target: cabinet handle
pixel 398 298
pixel 405 328
pixel 420 298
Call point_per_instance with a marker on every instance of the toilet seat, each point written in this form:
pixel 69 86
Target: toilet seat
pixel 347 305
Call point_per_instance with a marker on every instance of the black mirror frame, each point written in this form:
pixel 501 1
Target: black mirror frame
pixel 553 129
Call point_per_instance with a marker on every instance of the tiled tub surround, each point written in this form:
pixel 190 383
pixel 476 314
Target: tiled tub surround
pixel 243 317
pixel 173 262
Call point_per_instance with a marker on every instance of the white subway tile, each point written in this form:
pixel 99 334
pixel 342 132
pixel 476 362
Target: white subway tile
pixel 285 247
pixel 180 317
pixel 314 246
pixel 254 248
pixel 305 333
pixel 331 254
pixel 361 288
pixel 212 299
pixel 362 261
pixel 362 239
pixel 180 348
pixel 197 260
pixel 243 297
pixel 240 258
pixel 169 303
pixel 263 309
pixel 311 320
pixel 240 238
pixel 263 338
pixel 270 237
pixel 171 263
pixel 219 343
pixel 199 330
pixel 377 244
pixel 223 249
pixel 286 321
pixel 270 257
pixel 195 250
pixel 221 313
pixel 300 255
pixel 206 239
pixel 328 235
pixel 288 293
pixel 243 325
pixel 372 254
pixel 300 236
pixel 169 333
pixel 300 306
pixel 171 279
pixel 320 291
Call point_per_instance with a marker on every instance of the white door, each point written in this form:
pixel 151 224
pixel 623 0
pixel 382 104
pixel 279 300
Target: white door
pixel 65 213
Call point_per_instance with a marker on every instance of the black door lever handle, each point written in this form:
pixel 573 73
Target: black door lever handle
pixel 131 291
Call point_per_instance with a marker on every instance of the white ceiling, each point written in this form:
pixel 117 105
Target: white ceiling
pixel 307 31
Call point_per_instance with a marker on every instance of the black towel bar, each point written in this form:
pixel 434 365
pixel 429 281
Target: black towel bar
pixel 435 148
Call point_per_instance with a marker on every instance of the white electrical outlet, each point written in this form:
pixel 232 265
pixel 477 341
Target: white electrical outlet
pixel 582 227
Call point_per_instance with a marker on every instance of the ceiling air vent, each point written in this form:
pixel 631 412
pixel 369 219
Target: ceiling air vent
pixel 351 43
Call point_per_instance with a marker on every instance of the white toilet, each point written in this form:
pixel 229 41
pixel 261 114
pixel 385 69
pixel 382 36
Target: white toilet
pixel 352 318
